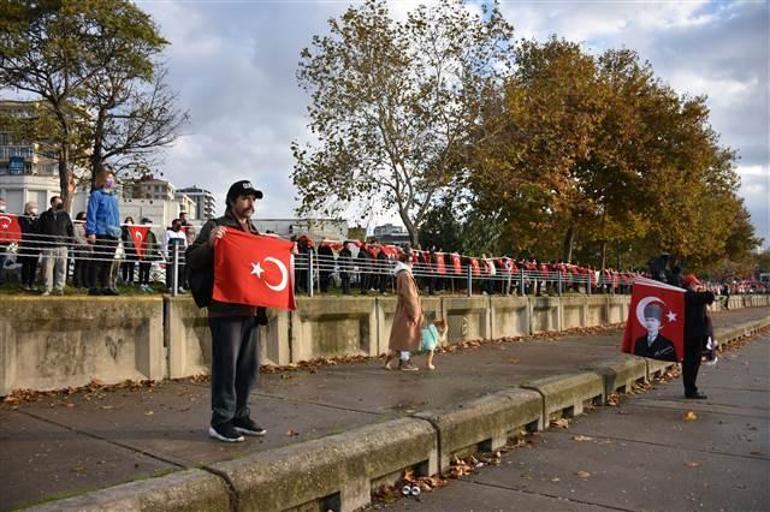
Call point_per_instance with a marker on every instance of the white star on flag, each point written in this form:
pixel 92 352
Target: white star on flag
pixel 257 270
pixel 671 316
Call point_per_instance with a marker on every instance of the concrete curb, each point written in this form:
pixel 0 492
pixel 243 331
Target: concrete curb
pixel 340 471
pixel 565 395
pixel 192 489
pixel 484 424
pixel 620 373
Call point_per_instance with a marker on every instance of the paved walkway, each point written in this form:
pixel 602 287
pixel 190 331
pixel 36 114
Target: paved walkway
pixel 65 445
pixel 641 455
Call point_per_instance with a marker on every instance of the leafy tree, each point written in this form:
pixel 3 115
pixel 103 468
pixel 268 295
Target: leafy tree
pixel 90 61
pixel 393 105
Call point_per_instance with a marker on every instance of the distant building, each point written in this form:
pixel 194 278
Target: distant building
pixel 317 229
pixel 148 187
pixel 26 172
pixel 391 234
pixel 187 205
pixel 205 204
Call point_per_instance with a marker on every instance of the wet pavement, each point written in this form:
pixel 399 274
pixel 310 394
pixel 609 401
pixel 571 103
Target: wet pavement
pixel 68 444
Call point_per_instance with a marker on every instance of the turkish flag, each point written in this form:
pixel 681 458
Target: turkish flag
pixel 440 263
pixel 254 270
pixel 139 237
pixel 10 229
pixel 655 325
pixel 457 263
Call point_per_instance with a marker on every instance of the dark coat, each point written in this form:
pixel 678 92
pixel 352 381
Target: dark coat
pixel 662 348
pixel 345 260
pixel 56 228
pixel 695 323
pixel 30 232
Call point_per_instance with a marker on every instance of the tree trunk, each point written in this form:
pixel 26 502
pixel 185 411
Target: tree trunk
pixel 66 179
pixel 569 243
pixel 604 255
pixel 414 232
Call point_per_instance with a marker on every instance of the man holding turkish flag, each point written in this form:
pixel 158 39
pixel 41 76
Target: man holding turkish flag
pixel 655 325
pixel 234 272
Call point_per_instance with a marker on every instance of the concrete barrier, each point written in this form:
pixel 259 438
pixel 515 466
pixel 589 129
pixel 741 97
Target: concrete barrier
pixel 544 314
pixel 574 312
pixel 566 395
pixel 333 326
pixel 57 342
pixel 336 472
pixel 620 373
pixel 192 489
pixel 485 423
pixel 509 316
pixel 467 318
pixel 188 338
pixel 617 308
pixel 656 368
pixel 596 310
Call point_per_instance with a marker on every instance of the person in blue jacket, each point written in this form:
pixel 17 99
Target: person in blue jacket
pixel 103 230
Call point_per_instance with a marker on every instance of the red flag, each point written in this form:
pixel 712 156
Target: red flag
pixel 440 263
pixel 655 325
pixel 10 229
pixel 457 263
pixel 254 270
pixel 139 237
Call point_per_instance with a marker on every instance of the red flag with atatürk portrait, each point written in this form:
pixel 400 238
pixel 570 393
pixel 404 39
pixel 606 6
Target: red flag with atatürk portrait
pixel 655 324
pixel 10 229
pixel 254 270
pixel 139 238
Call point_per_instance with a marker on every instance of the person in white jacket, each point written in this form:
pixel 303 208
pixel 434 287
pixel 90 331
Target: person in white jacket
pixel 174 236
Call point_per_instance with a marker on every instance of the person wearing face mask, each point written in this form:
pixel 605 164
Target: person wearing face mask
pixel 103 231
pixel 29 249
pixel 56 235
pixel 174 237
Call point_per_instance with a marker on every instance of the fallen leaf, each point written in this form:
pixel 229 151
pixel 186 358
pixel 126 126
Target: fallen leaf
pixel 560 423
pixel 556 479
pixel 693 464
pixel 690 416
pixel 513 360
pixel 148 413
pixel 292 433
pixel 581 439
pixel 69 404
pixel 583 474
pixel 108 407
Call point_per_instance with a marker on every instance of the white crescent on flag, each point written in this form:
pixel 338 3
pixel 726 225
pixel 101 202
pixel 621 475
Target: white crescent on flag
pixel 284 275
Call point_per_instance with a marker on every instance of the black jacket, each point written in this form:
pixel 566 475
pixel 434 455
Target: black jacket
pixel 199 258
pixel 695 323
pixel 56 228
pixel 345 260
pixel 30 234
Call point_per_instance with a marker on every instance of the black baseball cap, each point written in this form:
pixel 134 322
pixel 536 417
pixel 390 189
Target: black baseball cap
pixel 243 188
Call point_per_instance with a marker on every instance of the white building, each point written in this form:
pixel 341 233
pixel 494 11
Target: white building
pixel 205 204
pixel 316 229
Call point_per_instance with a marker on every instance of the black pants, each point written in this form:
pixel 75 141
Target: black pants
pixel 170 275
pixel 325 277
pixel 127 271
pixel 144 272
pixel 693 349
pixel 80 276
pixel 29 269
pixel 345 277
pixel 104 254
pixel 234 366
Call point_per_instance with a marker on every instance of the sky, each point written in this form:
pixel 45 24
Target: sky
pixel 234 62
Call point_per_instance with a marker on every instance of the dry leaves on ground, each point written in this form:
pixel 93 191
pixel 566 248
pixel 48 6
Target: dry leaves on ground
pixel 690 416
pixel 582 439
pixel 560 423
pixel 582 474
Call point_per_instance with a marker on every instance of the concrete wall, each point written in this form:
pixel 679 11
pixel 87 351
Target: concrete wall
pixel 56 342
pixel 52 343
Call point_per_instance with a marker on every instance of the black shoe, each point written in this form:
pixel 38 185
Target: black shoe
pixel 110 291
pixel 695 396
pixel 225 433
pixel 94 291
pixel 248 427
